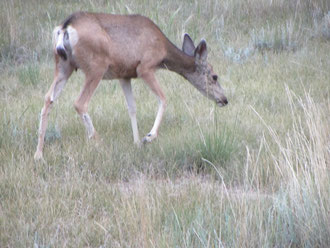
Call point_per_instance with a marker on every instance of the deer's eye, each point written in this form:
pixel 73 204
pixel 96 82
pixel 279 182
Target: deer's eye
pixel 215 77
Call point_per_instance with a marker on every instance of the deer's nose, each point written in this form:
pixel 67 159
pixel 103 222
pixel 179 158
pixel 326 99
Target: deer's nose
pixel 222 101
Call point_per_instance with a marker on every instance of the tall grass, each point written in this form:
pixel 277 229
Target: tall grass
pixel 301 160
pixel 252 174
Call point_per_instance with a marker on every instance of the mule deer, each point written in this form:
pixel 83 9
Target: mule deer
pixel 106 46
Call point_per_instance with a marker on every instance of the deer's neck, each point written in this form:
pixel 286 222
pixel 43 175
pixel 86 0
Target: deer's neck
pixel 179 62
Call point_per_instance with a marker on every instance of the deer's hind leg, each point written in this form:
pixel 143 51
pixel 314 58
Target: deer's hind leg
pixel 63 70
pixel 131 107
pixel 92 80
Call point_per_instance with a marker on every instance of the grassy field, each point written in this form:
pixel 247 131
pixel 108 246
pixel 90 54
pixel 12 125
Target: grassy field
pixel 252 174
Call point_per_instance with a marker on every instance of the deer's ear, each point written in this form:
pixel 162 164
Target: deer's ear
pixel 188 46
pixel 201 51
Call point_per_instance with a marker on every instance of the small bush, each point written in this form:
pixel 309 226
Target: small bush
pixel 325 27
pixel 277 39
pixel 53 133
pixel 218 145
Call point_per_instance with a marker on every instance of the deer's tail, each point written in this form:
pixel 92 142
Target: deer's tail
pixel 64 40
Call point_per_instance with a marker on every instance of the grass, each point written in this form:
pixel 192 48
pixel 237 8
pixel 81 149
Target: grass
pixel 252 174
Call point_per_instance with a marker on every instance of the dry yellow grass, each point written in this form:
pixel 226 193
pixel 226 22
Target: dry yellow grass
pixel 252 174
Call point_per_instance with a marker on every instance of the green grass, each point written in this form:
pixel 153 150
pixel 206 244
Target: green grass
pixel 252 174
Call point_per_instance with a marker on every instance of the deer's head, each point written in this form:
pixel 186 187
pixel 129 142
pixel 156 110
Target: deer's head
pixel 203 77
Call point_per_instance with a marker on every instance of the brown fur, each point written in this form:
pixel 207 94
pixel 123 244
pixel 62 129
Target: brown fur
pixel 123 47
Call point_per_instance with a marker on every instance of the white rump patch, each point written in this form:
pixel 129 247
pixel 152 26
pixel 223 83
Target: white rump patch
pixel 73 36
pixel 58 37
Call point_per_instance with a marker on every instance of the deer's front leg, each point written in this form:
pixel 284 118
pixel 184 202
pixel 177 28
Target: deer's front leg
pixel 150 79
pixel 131 106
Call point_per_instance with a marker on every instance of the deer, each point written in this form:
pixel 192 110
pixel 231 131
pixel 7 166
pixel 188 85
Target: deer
pixel 124 47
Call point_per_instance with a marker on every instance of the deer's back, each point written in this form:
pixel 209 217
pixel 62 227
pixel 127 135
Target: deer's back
pixel 122 41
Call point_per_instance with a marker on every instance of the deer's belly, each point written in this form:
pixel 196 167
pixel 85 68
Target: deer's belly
pixel 120 71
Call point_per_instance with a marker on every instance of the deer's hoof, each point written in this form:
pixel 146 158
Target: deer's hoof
pixel 38 156
pixel 148 138
pixel 94 136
